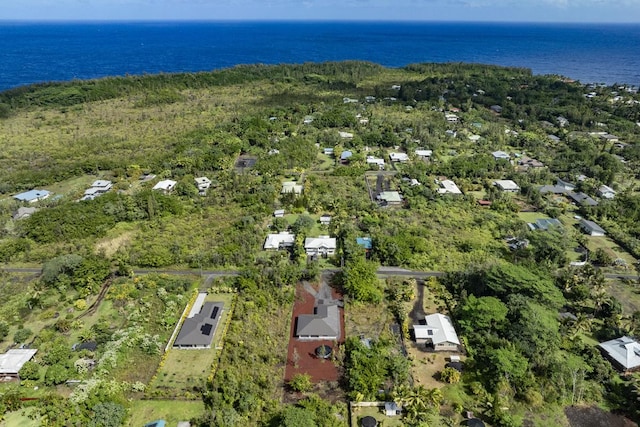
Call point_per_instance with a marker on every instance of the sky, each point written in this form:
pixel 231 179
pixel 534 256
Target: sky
pixel 627 11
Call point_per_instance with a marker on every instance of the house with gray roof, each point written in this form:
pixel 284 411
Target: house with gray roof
pixel 501 155
pixel 507 185
pixel 544 224
pixel 323 324
pixel 437 331
pixel 582 199
pixel 591 228
pixel 623 352
pixel 198 328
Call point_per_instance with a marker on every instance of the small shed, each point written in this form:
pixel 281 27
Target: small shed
pixel 391 409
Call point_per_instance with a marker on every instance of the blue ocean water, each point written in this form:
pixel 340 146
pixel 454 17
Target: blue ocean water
pixel 38 52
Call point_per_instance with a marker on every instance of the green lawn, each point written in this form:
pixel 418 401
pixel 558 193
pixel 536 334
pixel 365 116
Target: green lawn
pixel 531 216
pixel 172 411
pixel 20 419
pixel 611 247
pixel 357 413
pixel 183 369
pixel 627 294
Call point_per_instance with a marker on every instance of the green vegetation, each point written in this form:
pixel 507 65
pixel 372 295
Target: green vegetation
pixel 100 323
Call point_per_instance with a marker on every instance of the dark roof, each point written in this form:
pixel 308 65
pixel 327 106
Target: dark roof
pixel 582 199
pixel 89 345
pixel 324 323
pixel 455 365
pixel 544 224
pixel 199 329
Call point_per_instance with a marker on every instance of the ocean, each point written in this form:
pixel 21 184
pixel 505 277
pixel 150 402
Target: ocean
pixel 42 52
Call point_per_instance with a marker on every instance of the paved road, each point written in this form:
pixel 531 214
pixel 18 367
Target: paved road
pixel 382 272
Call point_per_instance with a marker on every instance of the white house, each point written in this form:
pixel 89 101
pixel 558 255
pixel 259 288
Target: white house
pixel 203 183
pixel 507 185
pixel 399 157
pixel 278 213
pixel 424 154
pixel 12 361
pixel 371 160
pixel 606 192
pixel 281 240
pixel 390 197
pixel 320 246
pixel 623 352
pixel 345 135
pixel 291 187
pixel 452 118
pixel 32 196
pixel 325 219
pixel 438 331
pixel 448 187
pixel 166 185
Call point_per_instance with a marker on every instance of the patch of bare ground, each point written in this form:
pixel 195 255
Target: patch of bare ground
pixel 590 416
pixel 110 246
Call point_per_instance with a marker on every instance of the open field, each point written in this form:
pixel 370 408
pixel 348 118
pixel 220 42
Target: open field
pixel 627 294
pixel 172 411
pixel 20 419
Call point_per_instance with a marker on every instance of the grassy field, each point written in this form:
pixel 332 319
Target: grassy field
pixel 627 294
pixel 172 411
pixel 183 369
pixel 357 413
pixel 610 247
pixel 20 419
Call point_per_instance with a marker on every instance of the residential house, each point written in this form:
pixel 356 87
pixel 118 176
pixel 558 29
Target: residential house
pixel 496 109
pixel 623 352
pixel 279 241
pixel 325 219
pixel 609 138
pixel 371 160
pixel 328 151
pixel 424 154
pixel 507 185
pixel 500 155
pixel 24 212
pixel 451 133
pixel 345 156
pixel 562 121
pixel 32 196
pixel 414 182
pixel 345 135
pixel 390 197
pixel 437 331
pixel 591 228
pixel 320 246
pixel 582 199
pixel 13 360
pixel 565 184
pixel 606 192
pixel 278 213
pixel 553 138
pixel 203 183
pixel 474 138
pixel 199 327
pixel 451 118
pixel 447 186
pixel 323 324
pixel 484 203
pixel 527 162
pixel 553 189
pixel 165 186
pixel 544 224
pixel 399 157
pixel 291 187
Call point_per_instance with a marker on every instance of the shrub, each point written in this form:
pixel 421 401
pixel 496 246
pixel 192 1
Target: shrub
pixel 301 382
pixel 22 335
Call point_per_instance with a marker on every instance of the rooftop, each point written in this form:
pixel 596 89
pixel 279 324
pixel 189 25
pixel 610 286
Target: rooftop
pixel 438 328
pixel 624 350
pixel 12 361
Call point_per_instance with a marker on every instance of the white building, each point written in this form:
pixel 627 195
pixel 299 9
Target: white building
pixel 320 246
pixel 166 185
pixel 438 331
pixel 448 187
pixel 203 183
pixel 606 192
pixel 424 154
pixel 371 160
pixel 399 157
pixel 507 185
pixel 291 187
pixel 281 240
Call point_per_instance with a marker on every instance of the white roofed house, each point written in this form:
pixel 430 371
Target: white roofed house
pixel 623 352
pixel 371 160
pixel 501 155
pixel 12 361
pixel 438 332
pixel 203 183
pixel 165 186
pixel 424 154
pixel 399 157
pixel 320 246
pixel 507 185
pixel 291 187
pixel 606 192
pixel 448 187
pixel 279 241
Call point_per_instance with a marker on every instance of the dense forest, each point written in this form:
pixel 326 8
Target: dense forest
pixel 437 184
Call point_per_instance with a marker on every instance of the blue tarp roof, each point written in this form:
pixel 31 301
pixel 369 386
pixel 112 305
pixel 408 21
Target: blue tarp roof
pixel 157 423
pixel 365 242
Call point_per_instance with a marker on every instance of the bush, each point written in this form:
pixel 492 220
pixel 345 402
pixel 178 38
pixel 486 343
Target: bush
pixel 301 383
pixel 22 335
pixel 30 371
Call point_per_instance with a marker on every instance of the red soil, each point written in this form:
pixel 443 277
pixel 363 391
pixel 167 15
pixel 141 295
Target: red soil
pixel 319 369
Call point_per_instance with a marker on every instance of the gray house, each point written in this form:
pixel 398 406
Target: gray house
pixel 198 330
pixel 623 352
pixel 591 228
pixel 323 324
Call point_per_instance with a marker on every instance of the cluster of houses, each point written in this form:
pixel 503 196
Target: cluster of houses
pixel 98 188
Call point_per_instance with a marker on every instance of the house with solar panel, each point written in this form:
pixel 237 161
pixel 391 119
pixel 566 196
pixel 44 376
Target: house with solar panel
pixel 200 326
